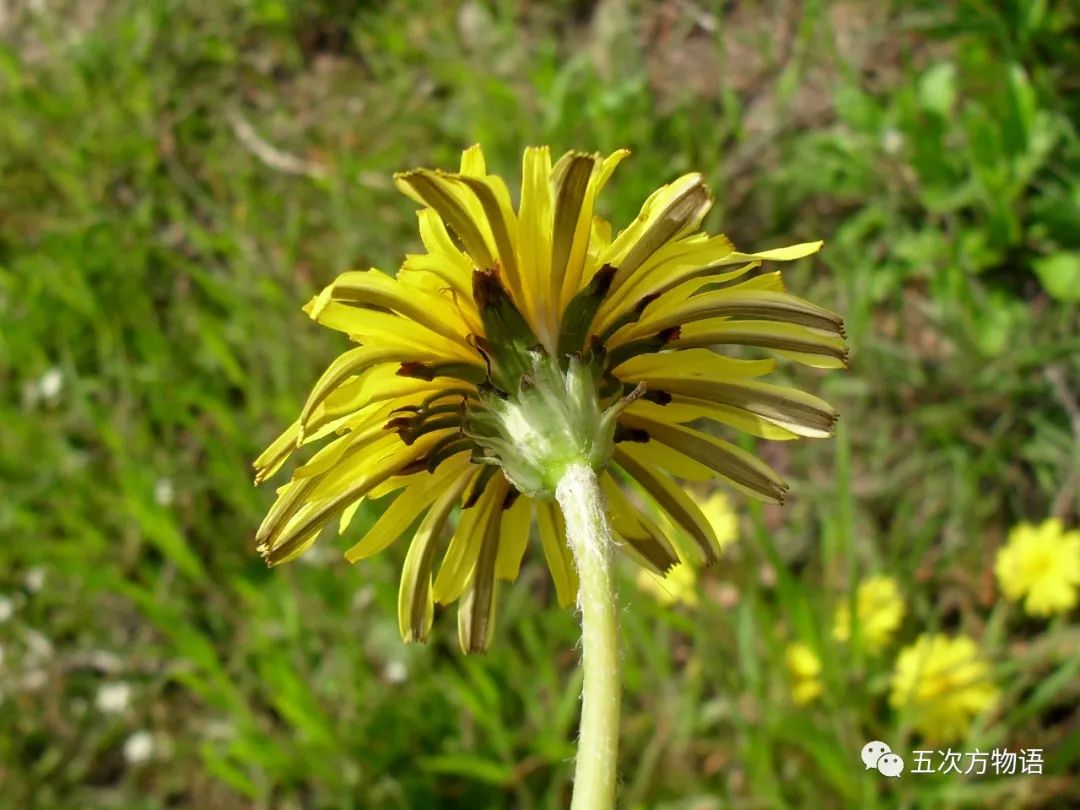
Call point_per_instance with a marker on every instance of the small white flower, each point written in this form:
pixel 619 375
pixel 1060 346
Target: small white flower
pixel 892 141
pixel 728 595
pixel 7 609
pixel 113 698
pixel 363 597
pixel 51 384
pixel 38 647
pixel 395 671
pixel 34 579
pixel 33 680
pixel 163 492
pixel 218 729
pixel 767 576
pixel 139 747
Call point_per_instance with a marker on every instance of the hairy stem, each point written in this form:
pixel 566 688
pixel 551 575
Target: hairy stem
pixel 588 533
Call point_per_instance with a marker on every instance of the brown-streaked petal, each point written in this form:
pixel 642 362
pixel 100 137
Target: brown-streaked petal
pixel 691 363
pixel 677 463
pixel 413 501
pixel 630 308
pixel 792 409
pixel 494 198
pixel 376 290
pixel 415 605
pixel 740 468
pixel 331 492
pixel 740 304
pixel 798 343
pixel 460 560
pixel 688 203
pixel 572 174
pixel 651 548
pixel 439 191
pixel 672 499
pixel 684 410
pixel 350 364
pixel 476 610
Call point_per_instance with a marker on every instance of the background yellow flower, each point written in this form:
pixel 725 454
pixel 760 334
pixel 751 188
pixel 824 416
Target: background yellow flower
pixel 804 666
pixel 679 585
pixel 1041 565
pixel 722 517
pixel 941 684
pixel 880 608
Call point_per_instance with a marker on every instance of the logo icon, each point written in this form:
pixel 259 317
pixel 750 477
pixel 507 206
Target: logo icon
pixel 879 756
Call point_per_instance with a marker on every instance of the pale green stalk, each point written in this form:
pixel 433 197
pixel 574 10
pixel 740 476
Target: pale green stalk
pixel 589 535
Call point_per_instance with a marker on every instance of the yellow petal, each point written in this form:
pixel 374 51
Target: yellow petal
pixel 387 329
pixel 372 436
pixel 415 605
pixel 672 266
pixel 347 516
pixel 682 510
pixel 364 468
pixel 476 610
pixel 513 538
pixel 795 411
pixel 443 257
pixel 494 200
pixel 461 556
pixel 798 343
pixel 374 289
pixel 672 296
pixel 472 161
pixel 739 468
pixel 354 362
pixel 784 254
pixel 404 510
pixel 732 303
pixel 678 464
pixel 571 224
pixel 599 240
pixel 575 277
pixel 271 459
pixel 458 209
pixel 643 537
pixel 690 363
pixel 690 410
pixel 534 248
pixel 687 260
pixel 669 213
pixel 559 559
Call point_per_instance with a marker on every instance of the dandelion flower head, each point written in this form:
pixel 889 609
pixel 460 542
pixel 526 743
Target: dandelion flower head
pixel 941 684
pixel 804 667
pixel 879 608
pixel 1041 565
pixel 524 340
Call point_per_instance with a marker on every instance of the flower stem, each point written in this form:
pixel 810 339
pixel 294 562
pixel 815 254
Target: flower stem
pixel 588 533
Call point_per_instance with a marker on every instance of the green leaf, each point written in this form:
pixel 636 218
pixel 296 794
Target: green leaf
pixel 1022 109
pixel 1060 275
pixel 469 766
pixel 937 89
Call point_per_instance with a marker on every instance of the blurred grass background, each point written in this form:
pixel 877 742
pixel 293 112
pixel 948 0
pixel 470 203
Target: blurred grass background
pixel 176 178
